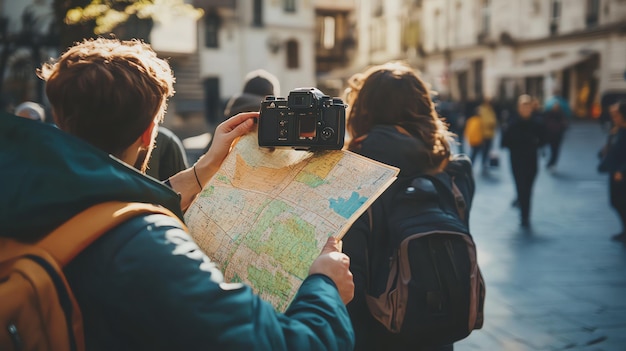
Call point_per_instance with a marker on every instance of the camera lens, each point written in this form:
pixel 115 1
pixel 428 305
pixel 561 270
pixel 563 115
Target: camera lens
pixel 327 133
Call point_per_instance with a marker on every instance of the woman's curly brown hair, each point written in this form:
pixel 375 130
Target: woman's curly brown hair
pixel 393 94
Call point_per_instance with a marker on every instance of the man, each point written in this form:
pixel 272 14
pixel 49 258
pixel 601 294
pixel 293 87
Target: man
pixel 523 137
pixel 257 85
pixel 145 285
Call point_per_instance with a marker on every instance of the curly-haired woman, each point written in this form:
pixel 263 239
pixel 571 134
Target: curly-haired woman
pixel 391 119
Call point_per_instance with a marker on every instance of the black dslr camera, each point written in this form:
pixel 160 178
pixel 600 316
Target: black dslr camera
pixel 306 120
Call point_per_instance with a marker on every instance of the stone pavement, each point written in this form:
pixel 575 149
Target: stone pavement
pixel 561 285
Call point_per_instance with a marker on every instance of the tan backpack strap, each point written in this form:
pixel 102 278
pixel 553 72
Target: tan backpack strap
pixel 73 236
pixel 402 130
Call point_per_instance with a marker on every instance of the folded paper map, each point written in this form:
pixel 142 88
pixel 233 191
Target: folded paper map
pixel 265 215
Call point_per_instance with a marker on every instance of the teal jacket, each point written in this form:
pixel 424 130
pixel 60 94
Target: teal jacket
pixel 145 285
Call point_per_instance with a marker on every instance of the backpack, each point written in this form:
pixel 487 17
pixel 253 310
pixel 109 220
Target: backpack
pixel 431 292
pixel 38 310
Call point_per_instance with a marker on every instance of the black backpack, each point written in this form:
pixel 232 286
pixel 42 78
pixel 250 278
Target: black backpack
pixel 431 291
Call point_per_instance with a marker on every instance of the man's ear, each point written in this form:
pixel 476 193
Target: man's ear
pixel 146 137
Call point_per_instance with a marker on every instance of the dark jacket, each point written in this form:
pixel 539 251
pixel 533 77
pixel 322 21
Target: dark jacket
pixel 385 144
pixel 555 123
pixel 145 285
pixel 168 156
pixel 523 138
pixel 613 159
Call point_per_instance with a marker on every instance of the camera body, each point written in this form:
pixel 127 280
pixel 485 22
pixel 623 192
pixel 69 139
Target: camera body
pixel 305 120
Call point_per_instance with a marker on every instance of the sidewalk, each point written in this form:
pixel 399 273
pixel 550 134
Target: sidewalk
pixel 562 285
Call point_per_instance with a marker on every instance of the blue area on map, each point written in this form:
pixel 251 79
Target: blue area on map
pixel 346 207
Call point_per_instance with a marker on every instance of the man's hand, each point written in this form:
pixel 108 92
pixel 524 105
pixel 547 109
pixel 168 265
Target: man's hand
pixel 223 138
pixel 227 132
pixel 336 265
pixel 186 183
pixel 618 176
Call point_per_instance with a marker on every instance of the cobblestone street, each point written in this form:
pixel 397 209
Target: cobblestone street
pixel 561 285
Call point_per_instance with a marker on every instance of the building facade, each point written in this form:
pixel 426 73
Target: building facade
pixel 335 41
pixel 469 49
pixel 383 30
pixel 502 48
pixel 236 37
pixel 210 56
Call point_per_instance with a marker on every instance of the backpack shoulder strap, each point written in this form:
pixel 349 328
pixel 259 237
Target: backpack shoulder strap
pixel 459 200
pixel 447 182
pixel 73 236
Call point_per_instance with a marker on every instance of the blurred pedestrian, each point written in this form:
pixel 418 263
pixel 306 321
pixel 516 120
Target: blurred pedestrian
pixel 257 85
pixel 488 126
pixel 556 123
pixel 474 134
pixel 613 162
pixel 31 110
pixel 480 132
pixel 523 137
pixel 454 117
pixel 391 119
pixel 564 105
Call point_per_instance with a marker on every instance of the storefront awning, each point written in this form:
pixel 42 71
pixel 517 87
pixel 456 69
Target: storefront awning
pixel 544 67
pixel 206 4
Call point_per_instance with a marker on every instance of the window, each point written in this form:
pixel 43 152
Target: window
pixel 593 12
pixel 377 8
pixel 257 15
pixel 213 107
pixel 328 32
pixel 289 5
pixel 536 8
pixel 211 29
pixel 556 10
pixel 410 34
pixel 293 59
pixel 555 15
pixel 378 36
pixel 458 14
pixel 485 17
pixel 436 31
pixel 477 68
